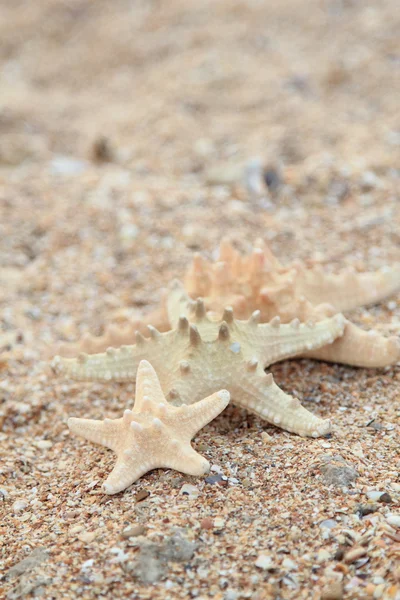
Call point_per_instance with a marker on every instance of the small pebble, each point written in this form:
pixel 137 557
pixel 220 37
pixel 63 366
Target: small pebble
pixel 323 555
pixel 264 561
pixel 374 495
pixel 328 524
pixel 213 479
pixel 19 505
pixel 43 444
pixel 272 178
pixel 133 531
pixel 366 509
pixel 189 490
pixel 289 564
pixel 219 523
pixel 207 523
pixel 354 554
pixel 142 495
pixel 87 536
pixel 332 591
pixel 3 494
pixel 393 520
pixel 386 498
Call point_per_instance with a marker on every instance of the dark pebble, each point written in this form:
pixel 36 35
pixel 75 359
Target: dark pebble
pixel 366 509
pixel 213 479
pixel 142 495
pixel 386 498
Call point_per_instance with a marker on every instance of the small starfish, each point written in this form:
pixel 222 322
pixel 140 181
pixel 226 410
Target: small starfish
pixel 194 360
pixel 154 434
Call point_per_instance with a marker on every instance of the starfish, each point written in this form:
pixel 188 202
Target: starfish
pixel 260 276
pixel 193 360
pixel 155 434
pixel 260 282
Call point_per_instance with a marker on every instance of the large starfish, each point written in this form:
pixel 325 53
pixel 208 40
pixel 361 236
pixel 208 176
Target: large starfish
pixel 194 360
pixel 260 282
pixel 155 434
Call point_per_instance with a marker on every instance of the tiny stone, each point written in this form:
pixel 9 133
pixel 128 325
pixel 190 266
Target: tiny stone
pixel 43 444
pixel 3 494
pixel 76 529
pixel 142 495
pixel 393 520
pixel 264 561
pixel 272 178
pixel 87 536
pixel 332 591
pixel 366 509
pixel 133 531
pixel 213 479
pixel 374 495
pixel 231 595
pixel 337 472
pixel 354 555
pixel 19 505
pixel 219 523
pixel 206 523
pixel 289 564
pixel 328 524
pixel 189 490
pixel 386 498
pixel 323 555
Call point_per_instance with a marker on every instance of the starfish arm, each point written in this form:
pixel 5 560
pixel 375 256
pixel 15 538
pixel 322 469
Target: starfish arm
pixel 360 349
pixel 113 365
pixel 121 364
pixel 126 471
pixel 273 342
pixel 148 388
pixel 185 459
pixel 105 433
pixel 347 289
pixel 115 335
pixel 260 394
pixel 192 418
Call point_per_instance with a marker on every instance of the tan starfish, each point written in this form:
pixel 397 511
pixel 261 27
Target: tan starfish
pixel 154 434
pixel 260 282
pixel 194 360
pixel 259 277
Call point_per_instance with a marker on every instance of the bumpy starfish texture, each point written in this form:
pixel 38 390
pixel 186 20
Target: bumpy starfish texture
pixel 252 278
pixel 355 346
pixel 155 434
pixel 260 282
pixel 194 360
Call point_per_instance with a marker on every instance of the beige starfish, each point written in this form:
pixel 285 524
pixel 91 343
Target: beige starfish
pixel 194 360
pixel 253 278
pixel 260 282
pixel 154 434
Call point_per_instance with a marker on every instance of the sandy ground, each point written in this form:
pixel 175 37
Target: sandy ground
pixel 124 128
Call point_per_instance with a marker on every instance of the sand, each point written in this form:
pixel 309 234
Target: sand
pixel 126 132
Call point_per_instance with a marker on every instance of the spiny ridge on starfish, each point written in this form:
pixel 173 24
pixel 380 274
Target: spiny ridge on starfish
pixel 115 335
pixel 155 434
pixel 253 277
pixel 194 360
pixel 355 347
